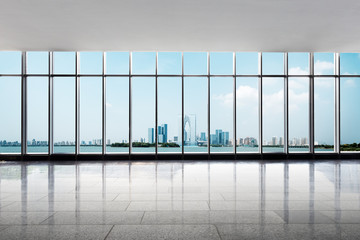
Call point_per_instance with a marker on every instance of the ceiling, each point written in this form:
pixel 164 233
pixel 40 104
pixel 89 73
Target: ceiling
pixel 181 25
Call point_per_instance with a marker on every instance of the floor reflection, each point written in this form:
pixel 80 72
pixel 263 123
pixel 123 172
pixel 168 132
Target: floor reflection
pixel 219 199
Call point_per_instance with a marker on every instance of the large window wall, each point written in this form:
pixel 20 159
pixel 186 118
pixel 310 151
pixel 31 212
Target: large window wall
pixel 173 102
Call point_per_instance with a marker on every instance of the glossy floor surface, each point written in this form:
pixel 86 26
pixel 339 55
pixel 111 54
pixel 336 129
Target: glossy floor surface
pixel 180 200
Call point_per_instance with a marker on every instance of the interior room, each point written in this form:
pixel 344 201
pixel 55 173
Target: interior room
pixel 179 120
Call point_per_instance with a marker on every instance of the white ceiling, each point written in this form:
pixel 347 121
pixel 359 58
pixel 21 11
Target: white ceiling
pixel 180 25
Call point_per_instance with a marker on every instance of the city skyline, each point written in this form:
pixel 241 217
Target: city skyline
pixel 170 99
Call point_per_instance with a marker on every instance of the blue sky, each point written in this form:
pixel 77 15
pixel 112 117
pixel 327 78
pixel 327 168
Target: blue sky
pixel 169 95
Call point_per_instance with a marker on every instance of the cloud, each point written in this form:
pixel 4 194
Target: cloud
pixel 298 71
pixel 245 95
pixel 108 105
pixel 323 67
pixel 350 83
pixel 324 83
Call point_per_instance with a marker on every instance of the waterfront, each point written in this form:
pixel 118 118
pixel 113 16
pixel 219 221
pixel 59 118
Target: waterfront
pixel 187 149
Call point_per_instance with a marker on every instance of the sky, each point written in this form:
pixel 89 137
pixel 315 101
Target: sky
pixel 169 95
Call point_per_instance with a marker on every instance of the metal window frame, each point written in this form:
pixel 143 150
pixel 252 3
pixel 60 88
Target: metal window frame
pixel 24 75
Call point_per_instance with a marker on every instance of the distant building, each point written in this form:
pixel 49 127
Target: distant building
pixel 202 136
pixel 163 133
pixel 274 141
pixel 189 129
pixel 151 135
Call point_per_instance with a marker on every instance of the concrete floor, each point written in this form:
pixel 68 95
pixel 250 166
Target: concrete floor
pixel 180 200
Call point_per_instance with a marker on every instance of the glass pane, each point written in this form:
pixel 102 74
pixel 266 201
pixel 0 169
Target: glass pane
pixel 37 62
pixel 195 118
pixel 350 63
pixel 91 62
pixel 247 63
pixel 10 62
pixel 298 63
pixel 324 64
pixel 247 114
pixel 272 63
pixel 10 123
pixel 143 114
pixel 169 63
pixel 350 114
pixel 117 114
pixel 298 114
pixel 117 63
pixel 221 63
pixel 273 114
pixel 64 62
pixel 37 114
pixel 64 115
pixel 221 114
pixel 90 114
pixel 195 63
pixel 324 103
pixel 143 63
pixel 169 115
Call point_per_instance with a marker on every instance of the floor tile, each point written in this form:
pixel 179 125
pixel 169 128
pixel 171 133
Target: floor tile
pixel 304 217
pixel 67 206
pixel 210 217
pixel 164 232
pixel 23 218
pixel 65 232
pixel 281 232
pixel 168 206
pixel 83 218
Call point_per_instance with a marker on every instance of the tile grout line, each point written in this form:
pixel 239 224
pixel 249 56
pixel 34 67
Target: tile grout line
pixel 41 223
pixel 127 207
pixel 217 230
pixel 109 232
pixel 142 218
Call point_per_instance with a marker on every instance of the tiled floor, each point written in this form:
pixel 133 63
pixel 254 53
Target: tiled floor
pixel 180 200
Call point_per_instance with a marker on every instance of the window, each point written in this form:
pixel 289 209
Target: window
pixel 169 114
pixel 117 114
pixel 90 114
pixel 350 114
pixel 247 114
pixel 143 114
pixel 324 117
pixel 273 114
pixel 196 114
pixel 64 114
pixel 169 102
pixel 10 123
pixel 37 114
pixel 298 114
pixel 221 114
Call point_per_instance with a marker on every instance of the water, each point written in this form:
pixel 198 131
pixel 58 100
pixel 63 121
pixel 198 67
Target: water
pixel 187 149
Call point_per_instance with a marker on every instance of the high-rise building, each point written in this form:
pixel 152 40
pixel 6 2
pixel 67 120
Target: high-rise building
pixel 202 136
pixel 189 129
pixel 219 136
pixel 151 135
pixel 225 138
pixel 213 139
pixel 274 141
pixel 163 133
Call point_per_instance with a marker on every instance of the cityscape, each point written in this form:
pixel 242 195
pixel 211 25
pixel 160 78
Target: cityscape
pixel 219 138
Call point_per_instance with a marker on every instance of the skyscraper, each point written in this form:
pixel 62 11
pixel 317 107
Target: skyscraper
pixel 226 138
pixel 151 135
pixel 219 136
pixel 163 133
pixel 189 129
pixel 202 136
